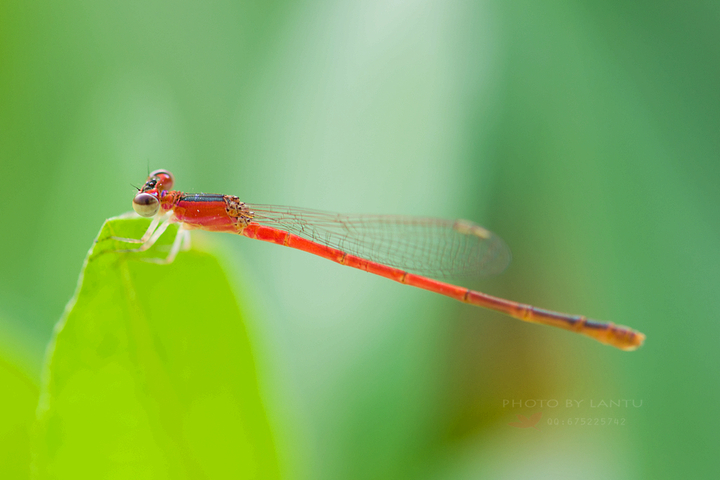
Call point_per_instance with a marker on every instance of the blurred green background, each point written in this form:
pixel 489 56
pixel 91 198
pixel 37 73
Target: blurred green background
pixel 586 135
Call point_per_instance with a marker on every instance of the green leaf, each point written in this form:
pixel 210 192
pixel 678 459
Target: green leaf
pixel 150 372
pixel 17 412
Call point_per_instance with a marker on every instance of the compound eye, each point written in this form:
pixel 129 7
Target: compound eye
pixel 164 178
pixel 146 205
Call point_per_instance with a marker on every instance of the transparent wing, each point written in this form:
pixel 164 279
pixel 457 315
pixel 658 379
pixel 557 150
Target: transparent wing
pixel 425 246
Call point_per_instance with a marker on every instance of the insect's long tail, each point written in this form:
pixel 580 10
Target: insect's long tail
pixel 618 336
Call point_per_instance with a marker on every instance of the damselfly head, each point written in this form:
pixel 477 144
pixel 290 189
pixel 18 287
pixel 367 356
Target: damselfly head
pixel 146 204
pixel 158 180
pixel 163 179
